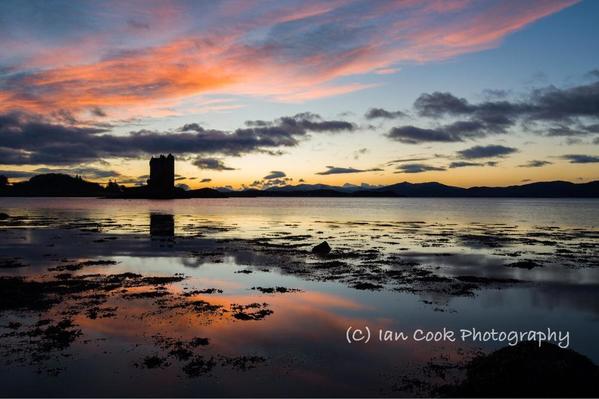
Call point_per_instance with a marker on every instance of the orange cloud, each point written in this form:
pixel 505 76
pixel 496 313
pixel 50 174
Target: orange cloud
pixel 287 53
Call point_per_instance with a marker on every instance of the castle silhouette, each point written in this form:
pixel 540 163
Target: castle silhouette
pixel 160 185
pixel 162 175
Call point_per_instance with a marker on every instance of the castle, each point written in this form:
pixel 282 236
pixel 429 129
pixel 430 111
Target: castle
pixel 162 175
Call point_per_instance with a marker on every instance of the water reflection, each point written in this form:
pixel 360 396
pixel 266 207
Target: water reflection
pixel 162 225
pixel 274 314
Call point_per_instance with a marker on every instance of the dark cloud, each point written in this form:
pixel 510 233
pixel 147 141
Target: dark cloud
pixel 594 128
pixel 417 168
pixel 575 130
pixel 83 171
pixel 275 174
pixel 562 131
pixel 275 182
pixel 334 170
pixel 183 186
pixel 488 151
pixel 299 124
pixel 572 141
pixel 191 127
pixel 99 112
pixel 578 158
pixel 87 171
pixel 16 174
pixel 375 113
pixel 452 132
pixel 549 111
pixel 438 104
pixel 464 164
pixel 26 139
pixel 552 103
pixel 415 135
pixel 64 116
pixel 13 157
pixel 535 164
pixel 402 160
pixel 358 153
pixel 211 164
pixel 205 180
pixel 271 182
pixel 594 74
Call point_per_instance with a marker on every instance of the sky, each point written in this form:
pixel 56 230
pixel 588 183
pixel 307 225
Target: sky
pixel 255 94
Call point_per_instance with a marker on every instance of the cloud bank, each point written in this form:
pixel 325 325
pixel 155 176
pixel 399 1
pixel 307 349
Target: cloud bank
pixel 549 111
pixel 27 139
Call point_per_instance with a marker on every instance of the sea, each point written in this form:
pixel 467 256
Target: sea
pixel 225 297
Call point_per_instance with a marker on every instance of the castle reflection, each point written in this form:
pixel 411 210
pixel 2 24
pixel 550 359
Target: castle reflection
pixel 162 225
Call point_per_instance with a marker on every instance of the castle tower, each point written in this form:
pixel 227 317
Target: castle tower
pixel 162 175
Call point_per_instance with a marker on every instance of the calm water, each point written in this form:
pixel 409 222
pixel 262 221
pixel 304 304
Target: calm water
pixel 401 264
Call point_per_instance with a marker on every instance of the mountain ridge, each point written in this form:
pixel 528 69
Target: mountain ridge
pixel 64 185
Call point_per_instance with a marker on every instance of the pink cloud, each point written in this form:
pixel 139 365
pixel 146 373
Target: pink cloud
pixel 286 52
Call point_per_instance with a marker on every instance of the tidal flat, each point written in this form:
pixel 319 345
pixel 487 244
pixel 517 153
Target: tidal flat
pixel 225 297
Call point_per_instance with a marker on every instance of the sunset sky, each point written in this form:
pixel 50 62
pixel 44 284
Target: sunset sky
pixel 262 93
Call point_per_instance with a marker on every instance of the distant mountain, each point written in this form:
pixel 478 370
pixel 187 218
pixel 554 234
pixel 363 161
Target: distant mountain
pixel 542 189
pixel 223 189
pixel 364 186
pixel 432 189
pixel 54 184
pixel 306 192
pixel 346 188
pixel 304 187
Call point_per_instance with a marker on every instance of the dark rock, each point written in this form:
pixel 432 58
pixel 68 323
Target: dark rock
pixel 3 216
pixel 204 307
pixel 207 291
pixel 258 315
pixel 527 370
pixel 367 286
pixel 322 249
pixel 244 271
pixel 275 290
pixel 252 311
